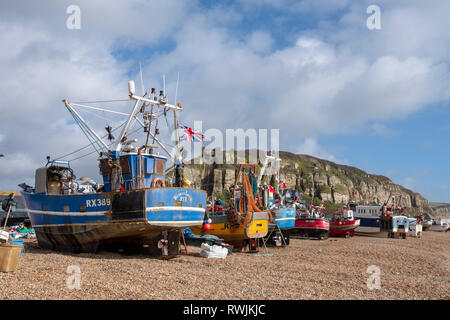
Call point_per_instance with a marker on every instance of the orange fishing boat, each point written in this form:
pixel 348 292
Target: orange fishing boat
pixel 243 222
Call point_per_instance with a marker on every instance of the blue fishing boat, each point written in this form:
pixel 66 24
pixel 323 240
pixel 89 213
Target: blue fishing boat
pixel 283 221
pixel 285 217
pixel 134 209
pixel 282 207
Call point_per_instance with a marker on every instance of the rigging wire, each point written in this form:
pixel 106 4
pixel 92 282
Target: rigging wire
pixel 87 154
pixel 85 130
pixel 94 142
pixel 87 146
pixel 101 117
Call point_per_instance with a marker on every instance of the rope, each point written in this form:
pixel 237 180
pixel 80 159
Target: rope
pixel 251 205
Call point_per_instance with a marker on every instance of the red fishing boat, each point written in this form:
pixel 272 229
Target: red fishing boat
pixel 311 224
pixel 343 224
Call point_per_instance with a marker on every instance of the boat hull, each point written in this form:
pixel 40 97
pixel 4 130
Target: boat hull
pixel 285 218
pixel 344 228
pixel 221 227
pixel 128 237
pixel 311 227
pixel 426 226
pixel 139 219
pixel 438 228
pixel 369 226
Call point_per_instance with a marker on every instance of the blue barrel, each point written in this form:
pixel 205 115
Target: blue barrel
pixel 18 242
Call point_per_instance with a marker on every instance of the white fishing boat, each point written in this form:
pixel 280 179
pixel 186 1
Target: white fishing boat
pixel 439 226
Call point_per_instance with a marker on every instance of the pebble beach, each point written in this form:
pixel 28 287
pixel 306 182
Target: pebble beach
pixel 335 268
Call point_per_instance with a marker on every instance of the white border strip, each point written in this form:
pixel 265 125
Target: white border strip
pixel 176 223
pixel 364 229
pixel 182 224
pixel 281 219
pixel 60 213
pixel 151 209
pixel 101 213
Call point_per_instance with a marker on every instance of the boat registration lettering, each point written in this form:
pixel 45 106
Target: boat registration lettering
pixel 226 226
pixel 98 203
pixel 183 197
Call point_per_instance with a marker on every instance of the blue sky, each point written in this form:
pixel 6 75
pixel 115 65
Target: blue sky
pixel 413 152
pixel 374 99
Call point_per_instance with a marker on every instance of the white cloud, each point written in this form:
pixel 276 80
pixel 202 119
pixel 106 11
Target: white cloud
pixel 260 41
pixel 122 23
pixel 409 183
pixel 381 130
pixel 445 128
pixel 416 178
pixel 427 144
pixel 310 146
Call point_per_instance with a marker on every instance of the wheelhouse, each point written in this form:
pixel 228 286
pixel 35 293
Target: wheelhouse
pixel 133 171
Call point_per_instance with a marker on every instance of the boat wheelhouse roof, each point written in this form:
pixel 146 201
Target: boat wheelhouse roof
pixel 368 207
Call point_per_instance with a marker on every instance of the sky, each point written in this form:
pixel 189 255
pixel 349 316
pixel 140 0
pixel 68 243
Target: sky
pixel 377 99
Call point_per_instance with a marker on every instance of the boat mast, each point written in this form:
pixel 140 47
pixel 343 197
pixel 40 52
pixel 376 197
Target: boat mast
pixel 177 136
pixel 263 169
pixel 125 130
pixel 277 164
pixel 162 102
pixel 273 162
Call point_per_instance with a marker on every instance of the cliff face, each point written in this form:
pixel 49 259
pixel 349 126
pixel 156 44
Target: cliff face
pixel 441 210
pixel 341 183
pixel 325 180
